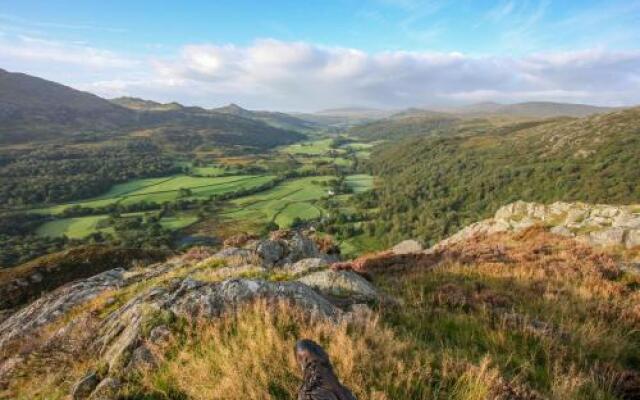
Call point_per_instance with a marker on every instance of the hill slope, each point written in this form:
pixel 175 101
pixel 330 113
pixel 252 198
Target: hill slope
pixel 518 314
pixel 32 108
pixel 431 187
pixel 276 119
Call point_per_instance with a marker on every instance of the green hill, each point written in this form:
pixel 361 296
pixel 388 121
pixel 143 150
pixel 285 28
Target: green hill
pixel 430 187
pixel 34 110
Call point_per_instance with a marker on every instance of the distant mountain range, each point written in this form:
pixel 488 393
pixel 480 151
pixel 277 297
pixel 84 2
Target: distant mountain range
pixel 33 109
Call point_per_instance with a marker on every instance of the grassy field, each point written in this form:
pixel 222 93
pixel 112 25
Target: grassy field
pixel 317 147
pixel 165 189
pixel 81 227
pixel 281 204
pixel 74 228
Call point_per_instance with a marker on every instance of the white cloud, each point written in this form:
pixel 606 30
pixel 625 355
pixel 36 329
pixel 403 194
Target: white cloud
pixel 33 49
pixel 274 74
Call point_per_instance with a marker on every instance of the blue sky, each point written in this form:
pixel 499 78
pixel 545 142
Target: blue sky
pixel 211 52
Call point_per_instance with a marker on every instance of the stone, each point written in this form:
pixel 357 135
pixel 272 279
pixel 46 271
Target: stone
pixel 341 284
pixel 633 238
pixel 142 358
pixel 271 251
pixel 108 389
pixel 407 247
pixel 607 237
pixel 306 265
pixel 562 231
pixel 159 334
pixel 85 386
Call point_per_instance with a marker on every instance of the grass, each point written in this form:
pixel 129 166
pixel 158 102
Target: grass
pixel 250 355
pixel 283 203
pixel 523 316
pixel 314 148
pixel 550 316
pixel 73 228
pixel 81 227
pixel 165 189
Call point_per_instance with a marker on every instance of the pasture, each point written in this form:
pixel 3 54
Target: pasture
pixel 314 148
pixel 159 190
pixel 74 228
pixel 282 204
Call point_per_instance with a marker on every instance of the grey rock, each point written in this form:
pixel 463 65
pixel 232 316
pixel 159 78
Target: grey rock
pixel 85 386
pixel 633 238
pixel 52 305
pixel 407 247
pixel 159 334
pixel 271 251
pixel 142 358
pixel 562 231
pixel 607 237
pixel 341 284
pixel 306 265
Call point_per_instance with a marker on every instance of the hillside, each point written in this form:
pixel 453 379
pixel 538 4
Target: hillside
pixel 276 119
pixel 536 110
pixel 32 109
pixel 431 187
pixel 514 313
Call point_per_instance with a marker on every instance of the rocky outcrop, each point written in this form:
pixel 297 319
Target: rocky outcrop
pixel 601 225
pixel 122 314
pixel 407 247
pixel 26 282
pixel 345 284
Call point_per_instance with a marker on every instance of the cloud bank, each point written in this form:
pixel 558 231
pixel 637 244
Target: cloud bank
pixel 272 74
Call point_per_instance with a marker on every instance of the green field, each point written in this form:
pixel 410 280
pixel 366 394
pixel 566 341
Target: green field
pixel 73 228
pixel 315 148
pixel 165 189
pixel 359 183
pixel 281 204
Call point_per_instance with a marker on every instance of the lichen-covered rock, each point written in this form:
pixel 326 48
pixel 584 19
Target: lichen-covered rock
pixel 306 265
pixel 51 306
pixel 341 284
pixel 607 237
pixel 271 251
pixel 407 247
pixel 601 225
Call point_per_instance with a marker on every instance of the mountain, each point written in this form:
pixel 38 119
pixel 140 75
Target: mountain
pixel 429 187
pixel 32 108
pixel 509 308
pixel 276 119
pixel 135 103
pixel 534 109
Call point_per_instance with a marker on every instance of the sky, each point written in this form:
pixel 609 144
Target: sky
pixel 311 55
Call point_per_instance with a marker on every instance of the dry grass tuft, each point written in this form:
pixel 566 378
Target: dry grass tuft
pixel 249 354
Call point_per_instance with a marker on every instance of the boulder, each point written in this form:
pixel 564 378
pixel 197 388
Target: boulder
pixel 607 237
pixel 306 265
pixel 633 239
pixel 562 231
pixel 270 251
pixel 341 284
pixel 407 247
